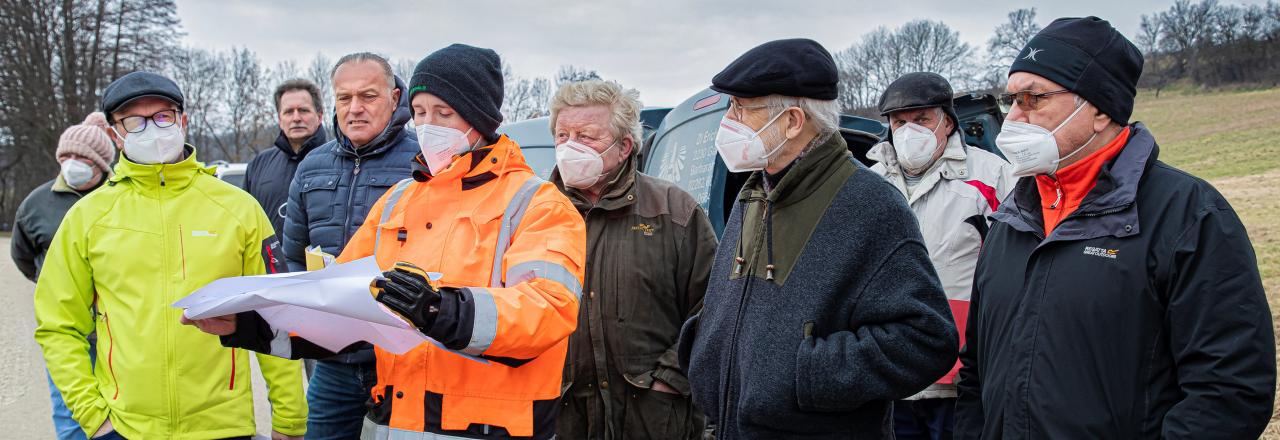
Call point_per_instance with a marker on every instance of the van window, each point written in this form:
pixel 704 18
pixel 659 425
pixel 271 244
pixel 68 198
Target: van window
pixel 687 157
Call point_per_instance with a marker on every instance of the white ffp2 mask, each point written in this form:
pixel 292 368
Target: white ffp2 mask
pixel 580 166
pixel 1032 149
pixel 439 145
pixel 741 148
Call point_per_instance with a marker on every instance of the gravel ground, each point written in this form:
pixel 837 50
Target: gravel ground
pixel 24 391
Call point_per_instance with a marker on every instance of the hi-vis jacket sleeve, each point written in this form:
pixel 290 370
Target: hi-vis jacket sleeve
pixel 64 320
pixel 284 377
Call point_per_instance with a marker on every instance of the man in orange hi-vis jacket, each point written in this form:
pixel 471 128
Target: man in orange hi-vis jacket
pixel 511 248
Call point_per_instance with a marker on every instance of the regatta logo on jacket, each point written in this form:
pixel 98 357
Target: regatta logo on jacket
pixel 1100 252
pixel 204 233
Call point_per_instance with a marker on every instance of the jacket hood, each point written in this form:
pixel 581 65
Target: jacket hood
pixel 383 141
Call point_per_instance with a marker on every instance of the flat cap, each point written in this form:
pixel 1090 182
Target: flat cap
pixel 797 67
pixel 139 85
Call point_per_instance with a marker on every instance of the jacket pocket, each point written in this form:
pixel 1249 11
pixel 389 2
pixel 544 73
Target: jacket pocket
pixel 319 193
pixel 656 415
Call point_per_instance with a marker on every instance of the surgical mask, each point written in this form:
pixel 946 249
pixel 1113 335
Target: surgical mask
pixel 1031 149
pixel 915 146
pixel 154 144
pixel 439 145
pixel 76 174
pixel 741 147
pixel 580 166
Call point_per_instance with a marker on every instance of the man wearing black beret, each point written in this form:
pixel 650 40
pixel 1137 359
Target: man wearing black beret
pixel 1116 297
pixel 823 306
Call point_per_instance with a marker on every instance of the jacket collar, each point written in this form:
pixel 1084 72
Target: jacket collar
pixel 806 174
pixel 170 177
pixel 383 141
pixel 619 193
pixel 1109 209
pixel 282 143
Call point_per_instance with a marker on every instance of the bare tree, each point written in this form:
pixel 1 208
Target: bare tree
pixel 569 73
pixel 883 55
pixel 1007 40
pixel 524 98
pixel 55 57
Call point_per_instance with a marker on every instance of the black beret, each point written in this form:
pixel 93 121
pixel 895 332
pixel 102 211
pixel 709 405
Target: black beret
pixel 797 67
pixel 1090 58
pixel 138 85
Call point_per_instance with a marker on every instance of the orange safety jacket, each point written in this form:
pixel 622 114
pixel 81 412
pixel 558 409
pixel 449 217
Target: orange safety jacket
pixel 515 247
pixel 512 247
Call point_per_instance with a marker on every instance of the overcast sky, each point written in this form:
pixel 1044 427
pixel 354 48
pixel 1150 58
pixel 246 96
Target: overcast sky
pixel 667 49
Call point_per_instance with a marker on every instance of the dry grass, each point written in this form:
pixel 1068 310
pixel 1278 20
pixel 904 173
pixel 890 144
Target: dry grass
pixel 1230 138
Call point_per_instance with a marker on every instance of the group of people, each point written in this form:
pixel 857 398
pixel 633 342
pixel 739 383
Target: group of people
pixel 1080 289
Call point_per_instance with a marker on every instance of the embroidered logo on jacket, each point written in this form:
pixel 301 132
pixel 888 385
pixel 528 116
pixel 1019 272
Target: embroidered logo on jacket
pixel 1100 252
pixel 645 229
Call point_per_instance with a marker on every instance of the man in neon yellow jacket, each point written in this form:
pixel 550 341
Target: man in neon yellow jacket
pixel 161 228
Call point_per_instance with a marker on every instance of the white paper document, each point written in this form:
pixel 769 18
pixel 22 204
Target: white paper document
pixel 331 307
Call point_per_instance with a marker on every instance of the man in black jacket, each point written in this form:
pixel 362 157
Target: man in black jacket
pixel 268 175
pixel 1116 296
pixel 822 306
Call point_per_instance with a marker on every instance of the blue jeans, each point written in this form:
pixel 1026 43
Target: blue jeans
pixel 925 419
pixel 64 425
pixel 336 399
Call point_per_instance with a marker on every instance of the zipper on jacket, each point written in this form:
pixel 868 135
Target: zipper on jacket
pixel 111 348
pixel 737 322
pixel 1057 188
pixel 351 197
pixel 182 248
pixel 233 370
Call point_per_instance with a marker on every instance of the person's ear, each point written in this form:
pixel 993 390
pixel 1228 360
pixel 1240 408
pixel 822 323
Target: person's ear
pixel 115 137
pixel 1100 120
pixel 395 96
pixel 795 122
pixel 626 144
pixel 184 123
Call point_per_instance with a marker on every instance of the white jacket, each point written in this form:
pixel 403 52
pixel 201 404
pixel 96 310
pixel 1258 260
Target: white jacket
pixel 952 202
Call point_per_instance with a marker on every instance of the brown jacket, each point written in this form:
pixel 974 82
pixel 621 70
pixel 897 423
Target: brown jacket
pixel 649 252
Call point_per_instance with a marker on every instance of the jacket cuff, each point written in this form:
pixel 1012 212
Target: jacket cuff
pixel 252 333
pixel 455 320
pixel 292 427
pixel 674 378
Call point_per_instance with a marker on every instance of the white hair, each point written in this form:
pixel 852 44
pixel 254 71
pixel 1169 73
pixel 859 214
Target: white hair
pixel 624 105
pixel 825 114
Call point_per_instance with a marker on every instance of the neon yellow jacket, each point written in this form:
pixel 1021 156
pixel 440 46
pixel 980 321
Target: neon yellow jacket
pixel 149 237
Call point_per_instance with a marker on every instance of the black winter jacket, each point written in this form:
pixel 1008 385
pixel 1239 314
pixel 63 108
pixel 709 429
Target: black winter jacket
pixel 268 175
pixel 1141 316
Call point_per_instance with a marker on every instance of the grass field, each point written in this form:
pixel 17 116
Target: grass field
pixel 1230 139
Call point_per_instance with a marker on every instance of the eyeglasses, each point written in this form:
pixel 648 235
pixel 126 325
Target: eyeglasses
pixel 162 119
pixel 1028 101
pixel 736 109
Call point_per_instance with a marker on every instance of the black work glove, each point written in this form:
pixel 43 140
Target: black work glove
pixel 406 290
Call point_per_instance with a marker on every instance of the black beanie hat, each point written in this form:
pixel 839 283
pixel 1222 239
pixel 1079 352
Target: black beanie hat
pixel 1090 58
pixel 469 79
pixel 797 67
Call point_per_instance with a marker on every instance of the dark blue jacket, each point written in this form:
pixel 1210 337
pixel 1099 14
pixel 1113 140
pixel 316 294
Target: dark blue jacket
pixel 336 184
pixel 1141 316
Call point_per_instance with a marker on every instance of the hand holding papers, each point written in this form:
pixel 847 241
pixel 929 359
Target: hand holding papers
pixel 331 307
